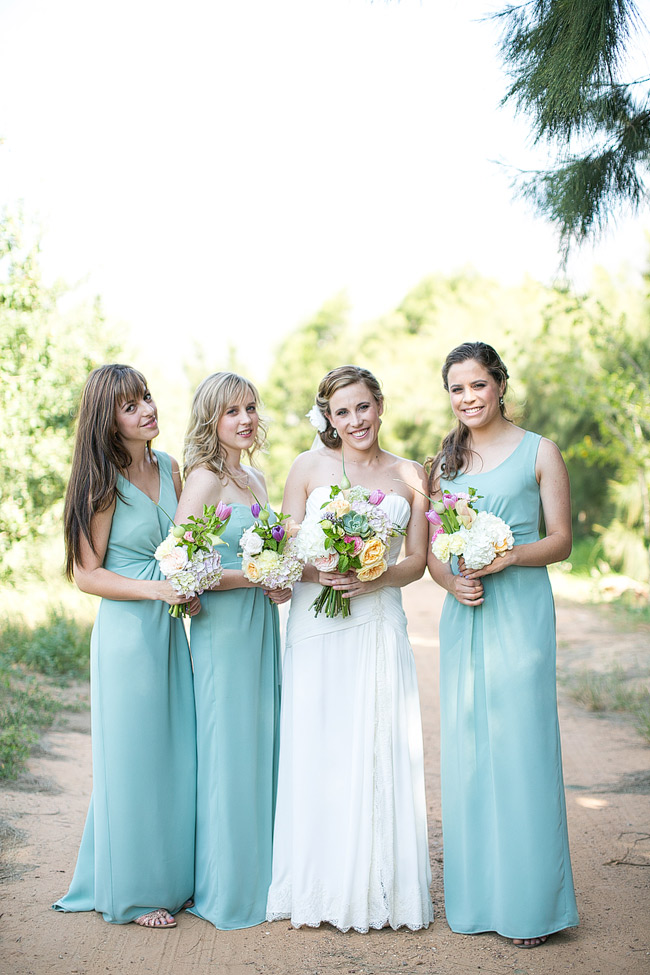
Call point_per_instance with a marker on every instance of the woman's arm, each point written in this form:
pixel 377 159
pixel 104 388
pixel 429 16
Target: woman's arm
pixel 555 494
pixel 91 576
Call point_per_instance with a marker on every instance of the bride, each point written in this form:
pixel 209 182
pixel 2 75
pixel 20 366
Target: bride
pixel 350 841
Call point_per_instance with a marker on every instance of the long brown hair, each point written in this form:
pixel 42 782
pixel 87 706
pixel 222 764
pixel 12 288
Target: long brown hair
pixel 455 452
pixel 211 400
pixel 337 379
pixel 99 453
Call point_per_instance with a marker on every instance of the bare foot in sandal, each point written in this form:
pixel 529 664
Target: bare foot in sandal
pixel 529 942
pixel 158 919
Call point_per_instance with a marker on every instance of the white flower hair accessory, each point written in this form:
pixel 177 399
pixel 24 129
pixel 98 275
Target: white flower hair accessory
pixel 317 419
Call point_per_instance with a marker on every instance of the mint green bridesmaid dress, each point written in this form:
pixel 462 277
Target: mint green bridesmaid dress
pixel 236 652
pixel 137 850
pixel 506 851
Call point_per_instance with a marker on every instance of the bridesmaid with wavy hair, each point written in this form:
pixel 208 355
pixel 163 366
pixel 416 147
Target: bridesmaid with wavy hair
pixel 506 850
pixel 136 861
pixel 236 653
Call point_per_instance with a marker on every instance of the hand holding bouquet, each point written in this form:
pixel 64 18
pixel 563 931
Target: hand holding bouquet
pixel 352 533
pixel 187 557
pixel 268 550
pixel 478 536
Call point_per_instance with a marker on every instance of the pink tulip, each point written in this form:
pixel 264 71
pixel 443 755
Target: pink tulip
pixel 449 500
pixel 376 497
pixel 223 511
pixel 434 517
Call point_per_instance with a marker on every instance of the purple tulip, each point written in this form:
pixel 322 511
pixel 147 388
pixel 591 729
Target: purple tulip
pixel 255 509
pixel 278 532
pixel 223 511
pixel 434 517
pixel 376 497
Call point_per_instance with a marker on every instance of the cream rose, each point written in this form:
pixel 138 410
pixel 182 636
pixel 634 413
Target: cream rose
pixel 372 553
pixel 370 572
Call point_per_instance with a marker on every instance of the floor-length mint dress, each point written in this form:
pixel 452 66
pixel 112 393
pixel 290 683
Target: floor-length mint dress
pixel 236 651
pixel 137 849
pixel 506 851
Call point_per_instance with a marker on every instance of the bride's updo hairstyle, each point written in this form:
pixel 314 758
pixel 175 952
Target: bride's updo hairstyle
pixel 211 400
pixel 337 379
pixel 455 452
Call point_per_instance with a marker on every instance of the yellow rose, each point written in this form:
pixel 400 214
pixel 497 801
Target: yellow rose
pixel 339 506
pixel 502 547
pixel 251 570
pixel 372 552
pixel 371 572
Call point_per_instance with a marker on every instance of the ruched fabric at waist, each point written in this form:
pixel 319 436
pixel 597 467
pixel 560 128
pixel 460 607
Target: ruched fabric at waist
pixel 383 607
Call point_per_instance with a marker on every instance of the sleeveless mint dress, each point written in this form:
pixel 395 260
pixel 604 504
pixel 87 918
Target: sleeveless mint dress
pixel 236 652
pixel 506 851
pixel 137 850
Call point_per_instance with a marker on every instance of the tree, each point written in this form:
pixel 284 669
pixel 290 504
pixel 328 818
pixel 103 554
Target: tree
pixel 565 59
pixel 44 361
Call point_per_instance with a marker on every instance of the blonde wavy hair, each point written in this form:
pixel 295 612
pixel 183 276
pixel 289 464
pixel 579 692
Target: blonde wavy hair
pixel 211 400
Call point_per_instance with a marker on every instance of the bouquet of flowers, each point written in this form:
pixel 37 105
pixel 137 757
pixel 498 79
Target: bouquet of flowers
pixel 352 532
pixel 187 556
pixel 268 550
pixel 478 536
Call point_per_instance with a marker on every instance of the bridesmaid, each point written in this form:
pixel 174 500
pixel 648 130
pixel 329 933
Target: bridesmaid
pixel 236 653
pixel 506 851
pixel 136 861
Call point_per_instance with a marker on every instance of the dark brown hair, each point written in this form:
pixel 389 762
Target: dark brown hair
pixel 99 453
pixel 455 452
pixel 337 379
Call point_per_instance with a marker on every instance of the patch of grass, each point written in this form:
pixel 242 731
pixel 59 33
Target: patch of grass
pixel 611 691
pixel 57 648
pixel 32 661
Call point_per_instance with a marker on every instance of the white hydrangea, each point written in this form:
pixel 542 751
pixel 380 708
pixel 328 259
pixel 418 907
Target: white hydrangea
pixel 310 540
pixel 488 532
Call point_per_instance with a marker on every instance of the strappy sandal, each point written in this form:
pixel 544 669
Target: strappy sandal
pixel 156 919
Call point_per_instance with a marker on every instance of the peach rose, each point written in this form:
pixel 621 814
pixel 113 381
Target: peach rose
pixel 372 552
pixel 327 563
pixel 251 570
pixel 339 506
pixel 370 572
pixel 502 547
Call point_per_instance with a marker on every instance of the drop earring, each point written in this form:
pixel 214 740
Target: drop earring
pixel 500 400
pixel 334 434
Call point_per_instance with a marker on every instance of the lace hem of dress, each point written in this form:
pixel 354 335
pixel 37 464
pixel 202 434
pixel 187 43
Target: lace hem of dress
pixel 361 929
pixel 414 911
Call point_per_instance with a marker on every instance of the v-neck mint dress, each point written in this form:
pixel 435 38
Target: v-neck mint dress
pixel 236 652
pixel 506 851
pixel 137 850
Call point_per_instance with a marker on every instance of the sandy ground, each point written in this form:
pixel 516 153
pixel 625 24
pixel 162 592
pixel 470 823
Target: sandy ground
pixel 608 788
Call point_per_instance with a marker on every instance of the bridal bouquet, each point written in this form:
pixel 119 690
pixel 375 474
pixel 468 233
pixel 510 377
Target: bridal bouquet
pixel 268 550
pixel 478 536
pixel 352 532
pixel 187 556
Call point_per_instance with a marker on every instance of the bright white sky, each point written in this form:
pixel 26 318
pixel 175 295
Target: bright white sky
pixel 217 169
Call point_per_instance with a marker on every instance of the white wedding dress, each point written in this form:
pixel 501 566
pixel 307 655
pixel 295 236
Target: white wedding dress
pixel 350 841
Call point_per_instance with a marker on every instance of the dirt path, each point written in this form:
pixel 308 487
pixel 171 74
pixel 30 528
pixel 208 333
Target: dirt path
pixel 608 793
